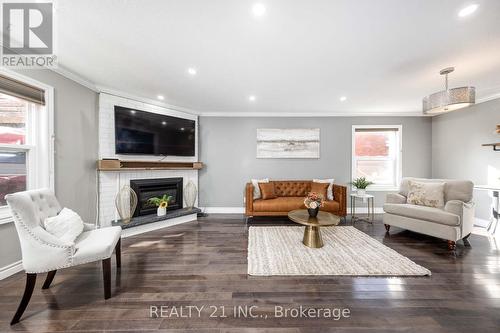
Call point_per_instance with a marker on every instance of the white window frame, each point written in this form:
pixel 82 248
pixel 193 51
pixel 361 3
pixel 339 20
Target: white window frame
pixel 399 162
pixel 40 147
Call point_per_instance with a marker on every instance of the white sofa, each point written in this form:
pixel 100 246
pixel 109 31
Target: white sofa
pixel 452 222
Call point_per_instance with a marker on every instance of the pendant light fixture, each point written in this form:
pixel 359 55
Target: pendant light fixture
pixel 449 99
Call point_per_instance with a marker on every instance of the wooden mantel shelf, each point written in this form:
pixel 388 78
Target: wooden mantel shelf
pixel 126 165
pixel 496 146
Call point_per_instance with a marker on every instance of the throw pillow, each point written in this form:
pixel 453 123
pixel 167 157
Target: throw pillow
pixel 426 194
pixel 320 188
pixel 329 191
pixel 256 189
pixel 267 191
pixel 67 225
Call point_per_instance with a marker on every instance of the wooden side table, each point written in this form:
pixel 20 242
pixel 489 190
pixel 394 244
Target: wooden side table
pixel 370 216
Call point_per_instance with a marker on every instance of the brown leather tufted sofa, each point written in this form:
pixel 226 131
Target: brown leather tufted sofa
pixel 291 195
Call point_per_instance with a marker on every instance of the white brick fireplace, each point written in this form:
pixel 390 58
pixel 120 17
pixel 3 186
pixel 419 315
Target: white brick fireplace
pixel 110 182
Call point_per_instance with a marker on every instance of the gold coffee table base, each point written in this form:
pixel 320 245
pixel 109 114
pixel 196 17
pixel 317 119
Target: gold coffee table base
pixel 312 237
pixel 312 232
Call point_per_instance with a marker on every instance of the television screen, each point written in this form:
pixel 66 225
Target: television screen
pixel 146 133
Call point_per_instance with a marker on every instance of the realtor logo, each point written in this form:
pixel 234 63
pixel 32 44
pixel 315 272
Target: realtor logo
pixel 28 39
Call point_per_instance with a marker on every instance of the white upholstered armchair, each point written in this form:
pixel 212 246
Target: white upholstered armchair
pixel 454 221
pixel 43 252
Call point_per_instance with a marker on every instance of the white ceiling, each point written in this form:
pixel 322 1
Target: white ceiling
pixel 300 57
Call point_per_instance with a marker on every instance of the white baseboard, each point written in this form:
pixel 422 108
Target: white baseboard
pixel 364 210
pixel 140 229
pixel 241 210
pixel 481 222
pixel 11 269
pixel 223 210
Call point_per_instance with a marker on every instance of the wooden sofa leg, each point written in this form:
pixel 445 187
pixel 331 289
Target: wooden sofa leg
pixel 118 253
pixel 466 240
pixel 106 275
pixel 28 291
pixel 49 279
pixel 451 245
pixel 387 227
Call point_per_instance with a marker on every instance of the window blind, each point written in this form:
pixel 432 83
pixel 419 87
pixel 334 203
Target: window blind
pixel 21 90
pixel 377 129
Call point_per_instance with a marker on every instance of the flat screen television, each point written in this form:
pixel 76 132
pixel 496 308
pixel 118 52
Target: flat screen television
pixel 146 133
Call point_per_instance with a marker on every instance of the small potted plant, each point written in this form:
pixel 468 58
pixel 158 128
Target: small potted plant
pixel 312 202
pixel 161 203
pixel 361 184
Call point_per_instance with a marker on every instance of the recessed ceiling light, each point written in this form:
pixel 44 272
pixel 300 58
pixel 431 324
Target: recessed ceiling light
pixel 258 10
pixel 163 122
pixel 160 97
pixel 132 111
pixel 343 98
pixel 468 10
pixel 252 98
pixel 192 71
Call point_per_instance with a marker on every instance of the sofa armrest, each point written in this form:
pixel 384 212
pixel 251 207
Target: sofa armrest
pixel 340 195
pixel 249 199
pixel 395 198
pixel 465 210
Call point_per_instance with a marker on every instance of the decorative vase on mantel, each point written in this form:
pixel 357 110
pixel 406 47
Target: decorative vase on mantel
pixel 161 211
pixel 313 212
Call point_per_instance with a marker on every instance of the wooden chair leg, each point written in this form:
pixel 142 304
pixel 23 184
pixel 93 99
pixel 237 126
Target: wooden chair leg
pixel 451 245
pixel 118 253
pixel 106 275
pixel 28 291
pixel 49 279
pixel 466 240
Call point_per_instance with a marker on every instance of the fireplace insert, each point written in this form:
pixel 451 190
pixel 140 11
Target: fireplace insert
pixel 157 187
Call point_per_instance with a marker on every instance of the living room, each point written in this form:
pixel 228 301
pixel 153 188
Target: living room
pixel 250 166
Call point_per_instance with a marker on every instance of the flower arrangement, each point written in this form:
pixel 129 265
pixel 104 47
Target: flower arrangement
pixel 161 203
pixel 313 200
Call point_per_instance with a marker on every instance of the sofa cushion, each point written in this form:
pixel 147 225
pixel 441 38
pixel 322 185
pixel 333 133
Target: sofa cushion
pixel 330 206
pixel 279 204
pixel 431 214
pixel 320 188
pixel 256 188
pixel 267 191
pixel 426 194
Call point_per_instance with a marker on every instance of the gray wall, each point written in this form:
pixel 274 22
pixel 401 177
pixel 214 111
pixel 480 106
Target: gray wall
pixel 228 147
pixel 457 151
pixel 76 142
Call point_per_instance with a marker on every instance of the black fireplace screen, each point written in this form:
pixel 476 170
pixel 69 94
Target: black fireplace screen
pixel 150 188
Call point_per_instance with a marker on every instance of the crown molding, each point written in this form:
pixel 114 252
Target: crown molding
pixel 312 114
pixel 118 93
pixel 63 71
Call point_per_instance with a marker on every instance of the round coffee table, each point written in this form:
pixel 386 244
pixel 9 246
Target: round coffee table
pixel 312 233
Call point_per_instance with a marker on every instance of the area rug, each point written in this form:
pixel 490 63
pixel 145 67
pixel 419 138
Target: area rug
pixel 346 251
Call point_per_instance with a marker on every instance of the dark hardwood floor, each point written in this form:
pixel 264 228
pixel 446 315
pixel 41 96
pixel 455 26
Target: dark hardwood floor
pixel 204 263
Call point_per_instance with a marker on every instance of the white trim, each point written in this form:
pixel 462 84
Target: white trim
pixel 45 157
pixel 122 94
pixel 223 210
pixel 312 114
pixel 63 71
pixel 11 269
pixel 140 229
pixel 399 170
pixel 481 222
pixel 364 210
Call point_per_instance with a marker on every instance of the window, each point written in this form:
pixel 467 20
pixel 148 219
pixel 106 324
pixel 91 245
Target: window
pixel 26 157
pixel 376 155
